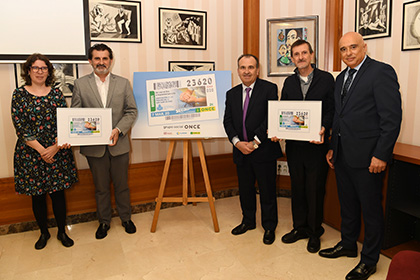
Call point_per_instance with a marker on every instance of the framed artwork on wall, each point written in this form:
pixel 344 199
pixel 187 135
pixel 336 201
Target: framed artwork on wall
pixel 65 74
pixel 411 26
pixel 373 18
pixel 174 66
pixel 281 34
pixel 115 21
pixel 182 29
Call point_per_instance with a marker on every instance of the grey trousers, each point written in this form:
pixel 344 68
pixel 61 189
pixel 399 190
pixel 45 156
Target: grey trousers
pixel 103 170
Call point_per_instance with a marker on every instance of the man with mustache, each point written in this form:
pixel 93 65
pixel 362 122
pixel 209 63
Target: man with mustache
pixel 306 160
pixel 255 156
pixel 102 89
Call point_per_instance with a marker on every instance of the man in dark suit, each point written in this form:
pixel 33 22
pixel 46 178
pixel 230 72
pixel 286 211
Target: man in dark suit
pixel 245 123
pixel 306 160
pixel 366 125
pixel 101 89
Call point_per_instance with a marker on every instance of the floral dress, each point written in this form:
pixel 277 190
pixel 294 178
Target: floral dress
pixel 35 118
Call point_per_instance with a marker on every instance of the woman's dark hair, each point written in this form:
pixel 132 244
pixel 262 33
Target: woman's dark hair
pixel 27 67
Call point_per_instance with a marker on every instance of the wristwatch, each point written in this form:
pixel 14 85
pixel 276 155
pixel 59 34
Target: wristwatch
pixel 255 144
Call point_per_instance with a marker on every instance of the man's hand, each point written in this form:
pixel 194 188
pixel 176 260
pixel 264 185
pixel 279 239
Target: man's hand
pixel 377 165
pixel 114 136
pixel 330 158
pixel 245 147
pixel 275 139
pixel 322 133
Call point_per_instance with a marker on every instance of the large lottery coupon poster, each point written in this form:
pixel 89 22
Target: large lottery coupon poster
pixel 180 104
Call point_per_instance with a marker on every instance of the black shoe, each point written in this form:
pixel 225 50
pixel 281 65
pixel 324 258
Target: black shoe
pixel 314 244
pixel 242 228
pixel 42 241
pixel 129 226
pixel 361 272
pixel 102 231
pixel 294 236
pixel 269 237
pixel 65 239
pixel 337 251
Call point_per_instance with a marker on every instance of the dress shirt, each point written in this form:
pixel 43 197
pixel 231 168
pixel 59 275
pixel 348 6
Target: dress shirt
pixel 244 87
pixel 102 88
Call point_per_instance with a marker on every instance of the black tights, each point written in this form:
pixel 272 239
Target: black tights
pixel 39 207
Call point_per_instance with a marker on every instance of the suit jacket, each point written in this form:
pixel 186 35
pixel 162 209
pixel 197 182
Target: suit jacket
pixel 255 122
pixel 320 89
pixel 369 120
pixel 120 99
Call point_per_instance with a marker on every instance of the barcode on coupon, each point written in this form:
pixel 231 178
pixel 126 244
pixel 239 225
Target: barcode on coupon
pixel 166 85
pixel 180 117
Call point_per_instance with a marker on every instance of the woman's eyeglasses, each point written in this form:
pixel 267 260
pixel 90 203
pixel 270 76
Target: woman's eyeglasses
pixel 36 68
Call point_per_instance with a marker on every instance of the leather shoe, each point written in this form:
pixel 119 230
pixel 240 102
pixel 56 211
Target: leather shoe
pixel 42 241
pixel 294 236
pixel 129 226
pixel 269 237
pixel 314 244
pixel 242 228
pixel 337 251
pixel 65 239
pixel 361 272
pixel 102 231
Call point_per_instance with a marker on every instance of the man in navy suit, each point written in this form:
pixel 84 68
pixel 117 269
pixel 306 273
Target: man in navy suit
pixel 366 125
pixel 255 156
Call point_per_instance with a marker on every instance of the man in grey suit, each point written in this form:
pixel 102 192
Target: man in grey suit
pixel 101 89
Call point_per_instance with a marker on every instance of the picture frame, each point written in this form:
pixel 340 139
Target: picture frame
pixel 182 29
pixel 411 26
pixel 373 18
pixel 65 74
pixel 281 34
pixel 84 126
pixel 115 21
pixel 294 120
pixel 174 66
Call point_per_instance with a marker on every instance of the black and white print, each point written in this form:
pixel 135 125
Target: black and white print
pixel 182 29
pixel 174 66
pixel 115 21
pixel 411 26
pixel 373 18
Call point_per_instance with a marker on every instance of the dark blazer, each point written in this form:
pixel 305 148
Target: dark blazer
pixel 320 89
pixel 120 99
pixel 369 119
pixel 256 120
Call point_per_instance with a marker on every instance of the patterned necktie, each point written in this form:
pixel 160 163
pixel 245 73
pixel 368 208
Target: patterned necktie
pixel 347 85
pixel 246 103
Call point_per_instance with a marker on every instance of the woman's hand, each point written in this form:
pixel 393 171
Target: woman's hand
pixel 49 153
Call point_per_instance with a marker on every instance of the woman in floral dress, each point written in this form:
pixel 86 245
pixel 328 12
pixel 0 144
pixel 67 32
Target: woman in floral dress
pixel 40 166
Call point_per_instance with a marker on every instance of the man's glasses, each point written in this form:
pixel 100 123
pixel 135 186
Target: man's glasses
pixel 36 68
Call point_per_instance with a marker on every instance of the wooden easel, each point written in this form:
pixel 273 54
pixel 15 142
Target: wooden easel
pixel 187 167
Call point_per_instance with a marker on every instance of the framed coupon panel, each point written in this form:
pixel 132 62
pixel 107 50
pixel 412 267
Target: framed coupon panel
pixel 84 126
pixel 295 120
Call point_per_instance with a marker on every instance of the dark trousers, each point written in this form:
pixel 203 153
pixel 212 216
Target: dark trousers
pixel 103 170
pixel 360 192
pixel 39 207
pixel 264 173
pixel 308 173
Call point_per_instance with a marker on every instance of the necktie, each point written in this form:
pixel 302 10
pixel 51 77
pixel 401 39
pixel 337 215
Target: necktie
pixel 347 84
pixel 246 103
